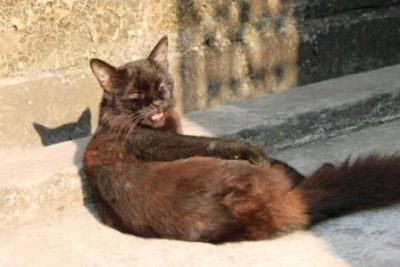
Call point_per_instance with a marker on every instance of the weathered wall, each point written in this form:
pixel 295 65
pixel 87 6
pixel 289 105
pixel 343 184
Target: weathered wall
pixel 236 49
pixel 48 35
pixel 221 51
pixel 45 47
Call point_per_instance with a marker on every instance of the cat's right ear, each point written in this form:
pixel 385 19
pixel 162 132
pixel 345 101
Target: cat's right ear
pixel 104 72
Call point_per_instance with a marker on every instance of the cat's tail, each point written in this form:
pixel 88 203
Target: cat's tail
pixel 366 182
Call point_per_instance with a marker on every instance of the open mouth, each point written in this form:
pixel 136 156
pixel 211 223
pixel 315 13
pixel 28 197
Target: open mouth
pixel 157 116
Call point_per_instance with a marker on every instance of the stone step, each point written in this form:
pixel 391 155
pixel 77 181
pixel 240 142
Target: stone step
pixel 77 239
pixel 369 238
pixel 42 182
pixel 308 112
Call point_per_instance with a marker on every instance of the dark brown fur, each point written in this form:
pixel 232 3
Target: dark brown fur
pixel 150 180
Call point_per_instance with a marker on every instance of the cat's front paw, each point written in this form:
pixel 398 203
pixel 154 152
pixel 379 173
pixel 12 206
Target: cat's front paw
pixel 254 155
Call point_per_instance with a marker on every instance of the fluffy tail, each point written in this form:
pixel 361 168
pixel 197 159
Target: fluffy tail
pixel 366 182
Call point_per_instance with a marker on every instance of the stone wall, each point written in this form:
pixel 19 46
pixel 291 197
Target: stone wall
pixel 235 49
pixel 49 35
pixel 342 37
pixel 45 47
pixel 221 51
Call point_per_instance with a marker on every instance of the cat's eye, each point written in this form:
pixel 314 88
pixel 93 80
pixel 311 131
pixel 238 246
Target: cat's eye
pixel 164 86
pixel 135 96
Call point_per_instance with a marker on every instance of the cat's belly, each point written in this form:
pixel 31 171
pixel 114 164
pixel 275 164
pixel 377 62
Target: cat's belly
pixel 191 199
pixel 210 197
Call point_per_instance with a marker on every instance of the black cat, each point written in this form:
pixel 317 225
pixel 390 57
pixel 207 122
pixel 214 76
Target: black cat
pixel 150 180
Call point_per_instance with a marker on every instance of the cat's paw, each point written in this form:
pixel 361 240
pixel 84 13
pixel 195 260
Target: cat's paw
pixel 254 155
pixel 328 165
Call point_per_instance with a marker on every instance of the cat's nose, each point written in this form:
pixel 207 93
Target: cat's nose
pixel 157 103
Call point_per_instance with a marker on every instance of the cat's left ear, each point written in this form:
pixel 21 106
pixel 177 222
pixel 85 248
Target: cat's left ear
pixel 159 54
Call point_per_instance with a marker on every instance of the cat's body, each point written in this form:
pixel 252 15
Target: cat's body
pixel 150 180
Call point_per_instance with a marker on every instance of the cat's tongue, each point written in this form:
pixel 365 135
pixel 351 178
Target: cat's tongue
pixel 157 116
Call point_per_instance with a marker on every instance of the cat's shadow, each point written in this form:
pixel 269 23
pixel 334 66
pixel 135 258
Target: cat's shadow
pixel 66 132
pixel 78 132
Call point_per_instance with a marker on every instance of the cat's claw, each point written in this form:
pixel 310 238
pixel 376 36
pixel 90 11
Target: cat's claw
pixel 255 156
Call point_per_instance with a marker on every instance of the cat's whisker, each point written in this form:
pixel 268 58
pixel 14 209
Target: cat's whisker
pixel 118 132
pixel 132 124
pixel 121 126
pixel 134 121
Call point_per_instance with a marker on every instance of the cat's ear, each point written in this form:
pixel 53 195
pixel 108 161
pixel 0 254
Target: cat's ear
pixel 85 117
pixel 159 54
pixel 43 133
pixel 104 72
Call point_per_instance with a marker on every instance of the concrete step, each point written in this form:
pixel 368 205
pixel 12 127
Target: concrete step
pixel 39 183
pixel 369 238
pixel 78 239
pixel 309 112
pixel 49 100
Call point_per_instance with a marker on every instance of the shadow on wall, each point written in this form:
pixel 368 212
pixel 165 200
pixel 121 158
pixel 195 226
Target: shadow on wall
pixel 344 37
pixel 75 132
pixel 235 49
pixel 65 132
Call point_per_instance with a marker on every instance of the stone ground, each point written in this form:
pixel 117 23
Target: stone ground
pixel 371 238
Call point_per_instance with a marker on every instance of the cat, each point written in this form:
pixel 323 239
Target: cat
pixel 65 132
pixel 150 180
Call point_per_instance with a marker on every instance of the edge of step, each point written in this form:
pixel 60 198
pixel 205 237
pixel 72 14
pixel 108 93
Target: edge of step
pixel 306 113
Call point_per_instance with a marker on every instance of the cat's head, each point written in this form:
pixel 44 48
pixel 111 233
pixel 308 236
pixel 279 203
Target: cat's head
pixel 140 91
